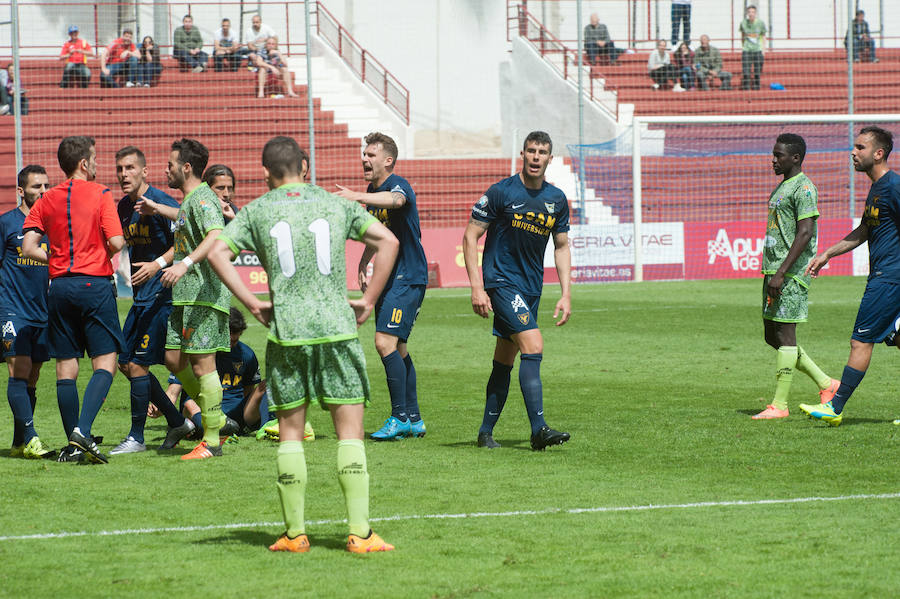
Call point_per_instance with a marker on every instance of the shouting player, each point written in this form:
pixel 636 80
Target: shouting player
pixel 789 246
pixel 313 354
pixel 23 310
pixel 519 214
pixel 392 201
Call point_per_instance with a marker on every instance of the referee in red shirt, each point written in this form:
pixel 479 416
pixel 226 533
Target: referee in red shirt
pixel 79 219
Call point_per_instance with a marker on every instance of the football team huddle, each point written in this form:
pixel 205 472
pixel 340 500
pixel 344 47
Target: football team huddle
pixel 58 300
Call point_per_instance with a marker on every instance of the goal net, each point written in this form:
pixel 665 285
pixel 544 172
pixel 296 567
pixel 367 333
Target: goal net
pixel 695 191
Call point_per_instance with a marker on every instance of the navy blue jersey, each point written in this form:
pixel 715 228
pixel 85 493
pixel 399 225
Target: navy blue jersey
pixel 23 282
pixel 411 267
pixel 148 238
pixel 882 217
pixel 237 369
pixel 521 221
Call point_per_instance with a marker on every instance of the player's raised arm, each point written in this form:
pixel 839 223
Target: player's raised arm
pixel 563 258
pixel 853 240
pixel 481 303
pixel 148 207
pixel 378 199
pixel 220 258
pixel 379 239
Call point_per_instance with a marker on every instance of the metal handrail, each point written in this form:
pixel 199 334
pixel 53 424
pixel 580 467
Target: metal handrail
pixel 549 46
pixel 369 70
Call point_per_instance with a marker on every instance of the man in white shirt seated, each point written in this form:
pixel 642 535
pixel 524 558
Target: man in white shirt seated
pixel 256 36
pixel 227 49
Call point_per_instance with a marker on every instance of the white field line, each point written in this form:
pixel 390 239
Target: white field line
pixel 517 513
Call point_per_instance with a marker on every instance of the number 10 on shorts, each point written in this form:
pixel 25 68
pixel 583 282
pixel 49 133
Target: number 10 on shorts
pixel 397 315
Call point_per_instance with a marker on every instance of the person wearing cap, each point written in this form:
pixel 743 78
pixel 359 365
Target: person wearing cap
pixel 75 52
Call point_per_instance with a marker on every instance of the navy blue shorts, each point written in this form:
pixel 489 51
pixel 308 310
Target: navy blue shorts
pixel 23 339
pixel 233 406
pixel 397 309
pixel 514 312
pixel 83 317
pixel 145 333
pixel 879 313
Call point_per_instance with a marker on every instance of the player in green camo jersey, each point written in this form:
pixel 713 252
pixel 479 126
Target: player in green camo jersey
pixel 198 325
pixel 298 231
pixel 789 246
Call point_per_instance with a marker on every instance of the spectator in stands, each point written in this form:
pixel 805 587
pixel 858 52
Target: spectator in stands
pixel 187 47
pixel 119 58
pixel 708 65
pixel 681 13
pixel 256 37
pixel 753 35
pixel 8 91
pixel 75 52
pixel 271 61
pixel 660 68
pixel 862 38
pixel 598 44
pixel 684 62
pixel 227 48
pixel 150 68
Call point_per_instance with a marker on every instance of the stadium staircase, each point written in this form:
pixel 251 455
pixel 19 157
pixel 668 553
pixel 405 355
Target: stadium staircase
pixel 222 110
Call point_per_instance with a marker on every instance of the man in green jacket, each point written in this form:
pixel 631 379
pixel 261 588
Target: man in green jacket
pixel 188 46
pixel 709 65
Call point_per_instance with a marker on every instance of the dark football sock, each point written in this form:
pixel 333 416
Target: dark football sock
pixel 532 391
pixel 67 398
pixel 495 396
pixel 395 370
pixel 94 396
pixel 17 395
pixel 412 395
pixel 850 380
pixel 140 401
pixel 161 400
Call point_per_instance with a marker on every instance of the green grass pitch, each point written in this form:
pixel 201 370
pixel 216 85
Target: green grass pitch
pixel 656 383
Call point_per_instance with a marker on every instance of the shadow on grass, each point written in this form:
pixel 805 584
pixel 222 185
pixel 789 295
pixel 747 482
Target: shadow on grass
pixel 845 422
pixel 259 538
pixel 855 421
pixel 516 444
pixel 751 412
pixel 246 536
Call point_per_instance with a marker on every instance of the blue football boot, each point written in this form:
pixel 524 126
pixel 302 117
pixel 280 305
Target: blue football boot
pixel 393 428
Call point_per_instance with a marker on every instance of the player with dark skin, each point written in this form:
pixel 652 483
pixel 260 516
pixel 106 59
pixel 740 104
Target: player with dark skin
pixel 779 334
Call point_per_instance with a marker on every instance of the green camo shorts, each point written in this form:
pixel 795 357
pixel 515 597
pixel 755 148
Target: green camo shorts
pixel 330 373
pixel 790 307
pixel 198 330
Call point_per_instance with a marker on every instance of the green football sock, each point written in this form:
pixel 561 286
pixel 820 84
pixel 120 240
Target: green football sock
pixel 292 485
pixel 210 401
pixel 806 365
pixel 785 359
pixel 354 479
pixel 189 382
